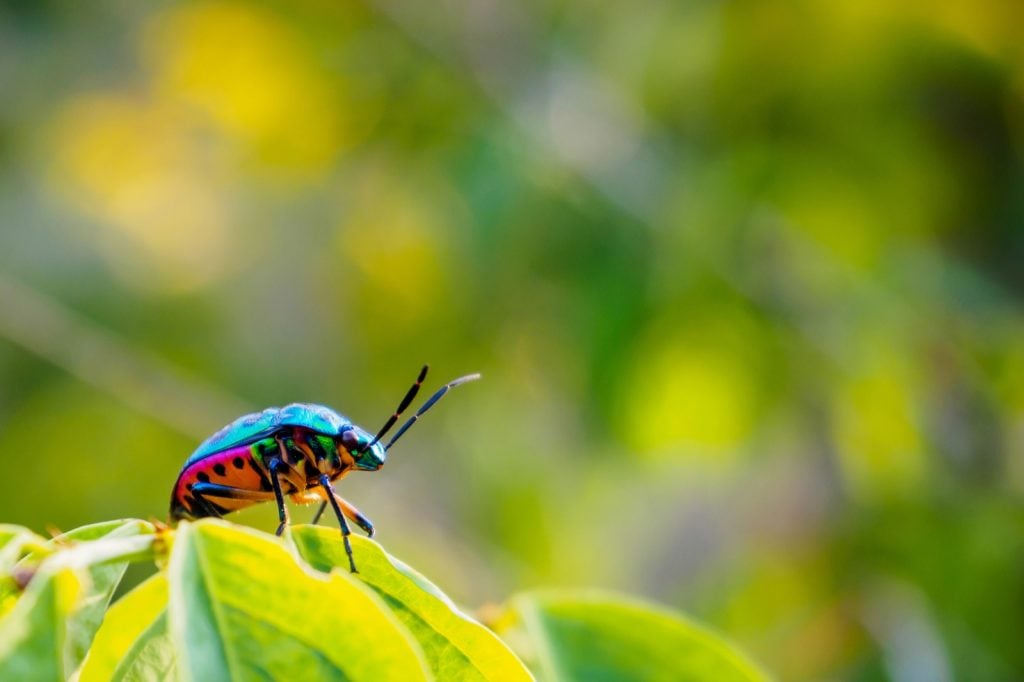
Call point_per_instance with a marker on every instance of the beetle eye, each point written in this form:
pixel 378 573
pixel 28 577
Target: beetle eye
pixel 351 441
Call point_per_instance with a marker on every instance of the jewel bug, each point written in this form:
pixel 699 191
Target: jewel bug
pixel 299 450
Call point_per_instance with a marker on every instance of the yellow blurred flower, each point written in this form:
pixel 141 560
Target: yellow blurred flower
pixel 254 77
pixel 880 443
pixel 392 244
pixel 698 391
pixel 132 165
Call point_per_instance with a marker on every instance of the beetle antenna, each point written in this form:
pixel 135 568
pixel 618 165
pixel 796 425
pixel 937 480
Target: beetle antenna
pixel 430 403
pixel 402 407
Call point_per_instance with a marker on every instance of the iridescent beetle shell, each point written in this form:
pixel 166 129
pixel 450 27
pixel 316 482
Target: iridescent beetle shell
pixel 320 419
pixel 299 450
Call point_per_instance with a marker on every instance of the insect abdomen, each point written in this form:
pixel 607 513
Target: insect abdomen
pixel 235 467
pixel 307 454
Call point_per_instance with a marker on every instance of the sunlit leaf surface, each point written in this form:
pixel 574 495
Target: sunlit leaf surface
pixel 594 637
pixel 33 643
pixel 106 563
pixel 241 607
pixel 15 541
pixel 456 646
pixel 71 578
pixel 132 643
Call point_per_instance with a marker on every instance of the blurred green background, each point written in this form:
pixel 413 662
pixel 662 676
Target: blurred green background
pixel 744 281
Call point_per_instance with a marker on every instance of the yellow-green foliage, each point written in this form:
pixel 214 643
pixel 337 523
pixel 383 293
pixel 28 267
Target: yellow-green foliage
pixel 229 603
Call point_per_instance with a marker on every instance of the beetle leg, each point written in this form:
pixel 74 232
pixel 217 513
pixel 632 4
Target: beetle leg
pixel 205 507
pixel 288 470
pixel 282 511
pixel 319 512
pixel 345 532
pixel 349 510
pixel 205 490
pixel 354 514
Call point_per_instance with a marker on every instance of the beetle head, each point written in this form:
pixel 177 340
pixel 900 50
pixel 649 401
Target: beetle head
pixel 366 453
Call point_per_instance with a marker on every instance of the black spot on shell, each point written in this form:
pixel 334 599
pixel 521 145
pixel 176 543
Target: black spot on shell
pixel 238 462
pixel 202 476
pixel 219 469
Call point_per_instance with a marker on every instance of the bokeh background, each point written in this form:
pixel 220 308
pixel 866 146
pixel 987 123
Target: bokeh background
pixel 744 281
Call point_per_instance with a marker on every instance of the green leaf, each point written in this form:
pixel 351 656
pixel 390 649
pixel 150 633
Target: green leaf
pixel 152 657
pixel 243 607
pixel 102 548
pixel 95 531
pixel 105 550
pixel 94 559
pixel 594 636
pixel 456 646
pixel 133 643
pixel 34 549
pixel 15 542
pixel 32 634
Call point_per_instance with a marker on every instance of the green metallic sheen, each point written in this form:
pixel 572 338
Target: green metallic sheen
pixel 313 417
pixel 253 427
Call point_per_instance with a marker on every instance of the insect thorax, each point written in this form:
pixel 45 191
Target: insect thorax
pixel 303 448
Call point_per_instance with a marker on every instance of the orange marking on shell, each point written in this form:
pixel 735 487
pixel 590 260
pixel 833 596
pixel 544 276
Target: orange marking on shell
pixel 347 460
pixel 243 477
